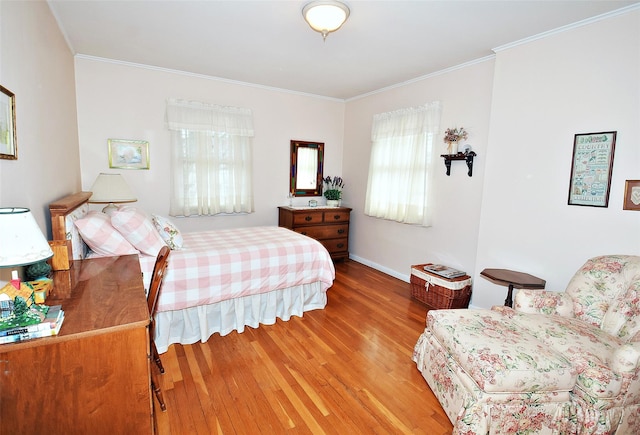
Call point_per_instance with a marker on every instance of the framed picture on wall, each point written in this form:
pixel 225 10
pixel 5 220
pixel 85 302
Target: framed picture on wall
pixel 591 169
pixel 8 142
pixel 631 195
pixel 128 154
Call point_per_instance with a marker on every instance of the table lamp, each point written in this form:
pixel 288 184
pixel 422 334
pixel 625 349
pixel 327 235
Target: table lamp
pixel 110 189
pixel 21 240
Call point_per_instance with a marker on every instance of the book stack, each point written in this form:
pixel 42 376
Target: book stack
pixel 444 271
pixel 49 326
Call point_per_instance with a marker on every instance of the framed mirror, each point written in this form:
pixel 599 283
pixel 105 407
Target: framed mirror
pixel 307 159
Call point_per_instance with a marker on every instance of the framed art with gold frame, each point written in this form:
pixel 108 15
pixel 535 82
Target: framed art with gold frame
pixel 8 141
pixel 128 154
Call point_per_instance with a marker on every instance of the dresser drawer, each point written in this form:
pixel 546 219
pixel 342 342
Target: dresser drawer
pixel 330 226
pixel 336 245
pixel 310 217
pixel 336 216
pixel 325 231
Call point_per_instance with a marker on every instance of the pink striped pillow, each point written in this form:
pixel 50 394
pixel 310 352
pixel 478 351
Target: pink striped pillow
pixel 97 232
pixel 138 229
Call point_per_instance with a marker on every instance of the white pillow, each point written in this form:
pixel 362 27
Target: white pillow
pixel 137 228
pixel 103 239
pixel 168 231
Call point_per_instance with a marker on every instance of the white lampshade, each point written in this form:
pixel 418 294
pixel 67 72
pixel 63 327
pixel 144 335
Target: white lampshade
pixel 110 189
pixel 325 16
pixel 21 240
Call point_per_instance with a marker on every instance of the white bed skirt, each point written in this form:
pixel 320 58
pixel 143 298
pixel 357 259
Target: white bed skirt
pixel 199 323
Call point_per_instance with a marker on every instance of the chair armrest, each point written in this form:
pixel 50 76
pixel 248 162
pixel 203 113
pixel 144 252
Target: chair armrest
pixel 625 358
pixel 505 311
pixel 543 302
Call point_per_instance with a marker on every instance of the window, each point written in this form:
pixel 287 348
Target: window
pixel 211 159
pixel 401 164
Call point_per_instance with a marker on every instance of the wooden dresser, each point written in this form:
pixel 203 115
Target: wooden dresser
pixel 328 225
pixel 93 377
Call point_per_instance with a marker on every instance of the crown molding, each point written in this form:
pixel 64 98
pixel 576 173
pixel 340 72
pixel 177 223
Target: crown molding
pixel 585 22
pixel 424 77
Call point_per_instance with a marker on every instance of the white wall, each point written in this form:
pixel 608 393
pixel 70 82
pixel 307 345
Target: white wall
pixel 522 117
pixel 581 81
pixel 37 66
pixel 125 101
pixel 465 94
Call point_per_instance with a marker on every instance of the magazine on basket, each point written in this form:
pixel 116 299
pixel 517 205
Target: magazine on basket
pixel 444 271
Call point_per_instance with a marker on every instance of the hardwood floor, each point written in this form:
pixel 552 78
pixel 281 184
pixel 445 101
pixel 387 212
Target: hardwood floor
pixel 344 369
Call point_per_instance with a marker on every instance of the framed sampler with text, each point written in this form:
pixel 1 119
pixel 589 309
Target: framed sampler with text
pixel 591 169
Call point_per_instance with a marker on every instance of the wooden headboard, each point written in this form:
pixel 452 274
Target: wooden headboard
pixel 66 242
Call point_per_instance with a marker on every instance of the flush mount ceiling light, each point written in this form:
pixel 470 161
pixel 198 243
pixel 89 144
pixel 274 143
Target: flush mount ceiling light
pixel 325 16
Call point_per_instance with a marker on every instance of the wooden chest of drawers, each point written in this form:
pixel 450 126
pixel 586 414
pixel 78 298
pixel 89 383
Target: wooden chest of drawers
pixel 328 225
pixel 93 377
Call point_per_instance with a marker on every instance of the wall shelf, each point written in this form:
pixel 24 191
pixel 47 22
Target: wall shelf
pixel 468 157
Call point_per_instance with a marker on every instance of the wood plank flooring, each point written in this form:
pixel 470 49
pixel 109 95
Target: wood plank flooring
pixel 344 369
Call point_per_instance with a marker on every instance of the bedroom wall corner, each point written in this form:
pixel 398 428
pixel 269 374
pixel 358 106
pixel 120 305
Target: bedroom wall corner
pixel 391 247
pixel 545 92
pixel 37 66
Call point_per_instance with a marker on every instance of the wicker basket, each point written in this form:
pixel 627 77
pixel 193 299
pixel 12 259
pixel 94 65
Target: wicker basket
pixel 438 292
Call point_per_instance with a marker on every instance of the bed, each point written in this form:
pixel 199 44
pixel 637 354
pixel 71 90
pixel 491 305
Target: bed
pixel 220 280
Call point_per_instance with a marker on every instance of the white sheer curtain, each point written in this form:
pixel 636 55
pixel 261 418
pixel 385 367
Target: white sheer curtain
pixel 211 159
pixel 401 164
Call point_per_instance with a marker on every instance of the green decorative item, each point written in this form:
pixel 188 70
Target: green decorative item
pixel 333 188
pixel 38 270
pixel 20 307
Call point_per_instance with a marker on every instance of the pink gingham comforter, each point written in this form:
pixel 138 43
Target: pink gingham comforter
pixel 225 264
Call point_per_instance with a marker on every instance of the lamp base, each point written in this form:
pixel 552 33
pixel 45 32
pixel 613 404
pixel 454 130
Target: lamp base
pixel 109 209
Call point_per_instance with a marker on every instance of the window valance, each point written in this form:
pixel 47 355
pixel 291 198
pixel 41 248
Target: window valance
pixel 205 117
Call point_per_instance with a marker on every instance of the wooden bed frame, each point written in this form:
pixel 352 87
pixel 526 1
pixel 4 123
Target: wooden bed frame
pixel 61 245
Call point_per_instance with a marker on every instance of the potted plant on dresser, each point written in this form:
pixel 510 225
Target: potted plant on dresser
pixel 333 190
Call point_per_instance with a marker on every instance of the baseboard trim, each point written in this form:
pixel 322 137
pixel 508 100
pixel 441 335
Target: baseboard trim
pixel 381 268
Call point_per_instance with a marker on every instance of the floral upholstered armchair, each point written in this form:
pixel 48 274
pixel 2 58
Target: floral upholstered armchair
pixel 558 363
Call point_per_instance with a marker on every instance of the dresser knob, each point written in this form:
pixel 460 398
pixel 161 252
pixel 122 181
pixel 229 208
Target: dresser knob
pixel 341 231
pixel 340 245
pixel 336 217
pixel 307 218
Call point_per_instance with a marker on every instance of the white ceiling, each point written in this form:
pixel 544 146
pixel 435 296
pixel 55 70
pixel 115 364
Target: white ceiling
pixel 268 43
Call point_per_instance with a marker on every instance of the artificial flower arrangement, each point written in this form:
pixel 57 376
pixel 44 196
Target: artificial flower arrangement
pixel 333 188
pixel 455 134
